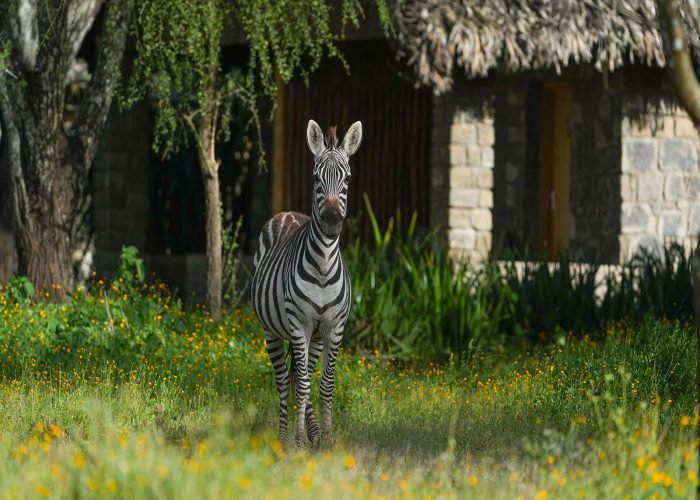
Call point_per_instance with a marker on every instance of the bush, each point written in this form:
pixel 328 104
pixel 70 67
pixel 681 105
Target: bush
pixel 412 297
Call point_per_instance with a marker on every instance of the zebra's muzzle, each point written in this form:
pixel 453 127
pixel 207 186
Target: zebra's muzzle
pixel 332 219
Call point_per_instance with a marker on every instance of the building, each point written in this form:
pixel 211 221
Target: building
pixel 517 127
pixel 554 127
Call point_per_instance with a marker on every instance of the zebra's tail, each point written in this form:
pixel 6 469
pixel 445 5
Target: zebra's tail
pixel 292 371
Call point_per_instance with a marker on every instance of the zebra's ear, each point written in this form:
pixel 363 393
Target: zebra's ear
pixel 314 135
pixel 352 139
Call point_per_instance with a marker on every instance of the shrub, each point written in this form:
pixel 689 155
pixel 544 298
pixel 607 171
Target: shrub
pixel 411 296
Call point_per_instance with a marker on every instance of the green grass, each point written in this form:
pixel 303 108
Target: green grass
pixel 121 393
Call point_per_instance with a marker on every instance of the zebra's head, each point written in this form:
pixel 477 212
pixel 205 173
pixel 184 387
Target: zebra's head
pixel 331 174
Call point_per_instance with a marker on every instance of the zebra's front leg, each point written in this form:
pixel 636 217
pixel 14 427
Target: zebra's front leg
pixel 303 386
pixel 330 352
pixel 313 432
pixel 275 349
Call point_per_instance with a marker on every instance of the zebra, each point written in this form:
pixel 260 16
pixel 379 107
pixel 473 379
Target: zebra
pixel 301 289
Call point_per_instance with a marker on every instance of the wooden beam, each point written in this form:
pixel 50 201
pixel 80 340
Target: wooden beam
pixel 279 151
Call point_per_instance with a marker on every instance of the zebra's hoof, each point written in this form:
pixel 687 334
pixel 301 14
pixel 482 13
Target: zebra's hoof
pixel 329 439
pixel 315 441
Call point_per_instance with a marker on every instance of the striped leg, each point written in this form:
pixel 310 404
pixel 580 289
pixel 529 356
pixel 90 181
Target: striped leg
pixel 330 352
pixel 312 430
pixel 275 349
pixel 303 388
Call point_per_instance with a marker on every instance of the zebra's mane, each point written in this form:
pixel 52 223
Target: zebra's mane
pixel 331 137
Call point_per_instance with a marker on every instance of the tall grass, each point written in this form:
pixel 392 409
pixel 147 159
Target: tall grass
pixel 411 296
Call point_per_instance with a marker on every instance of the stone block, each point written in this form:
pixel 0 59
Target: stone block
pixel 672 224
pixel 601 137
pixel 646 243
pixel 510 196
pixel 638 154
pixel 438 176
pixel 486 134
pixel 486 198
pixel 483 242
pixel 473 155
pixel 634 128
pixel 636 218
pixel 628 187
pixel 694 225
pixel 463 133
pixel 458 155
pixel 692 187
pixel 674 188
pixel 484 179
pixel 512 171
pixel 663 126
pixel 678 154
pixel 516 135
pixel 685 127
pixel 604 107
pixel 461 238
pixel 459 217
pixel 464 198
pixel 462 177
pixel 576 113
pixel 650 186
pixel 482 219
pixel 487 157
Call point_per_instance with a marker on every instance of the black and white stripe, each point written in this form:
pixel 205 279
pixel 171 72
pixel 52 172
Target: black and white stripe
pixel 301 289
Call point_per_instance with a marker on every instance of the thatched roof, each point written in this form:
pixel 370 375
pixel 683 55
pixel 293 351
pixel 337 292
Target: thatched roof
pixel 439 37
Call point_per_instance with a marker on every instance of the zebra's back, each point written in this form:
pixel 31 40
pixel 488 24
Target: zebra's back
pixel 276 230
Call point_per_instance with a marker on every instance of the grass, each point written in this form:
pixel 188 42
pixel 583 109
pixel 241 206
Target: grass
pixel 121 393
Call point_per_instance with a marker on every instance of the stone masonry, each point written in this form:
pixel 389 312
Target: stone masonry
pixel 660 183
pixel 462 173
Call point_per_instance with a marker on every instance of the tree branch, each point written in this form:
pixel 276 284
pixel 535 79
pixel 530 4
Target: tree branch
pixel 678 58
pixel 98 95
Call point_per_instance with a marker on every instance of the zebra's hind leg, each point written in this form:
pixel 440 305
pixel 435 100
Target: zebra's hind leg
pixel 275 349
pixel 313 432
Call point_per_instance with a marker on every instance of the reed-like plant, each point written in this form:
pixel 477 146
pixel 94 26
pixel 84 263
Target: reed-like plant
pixel 412 296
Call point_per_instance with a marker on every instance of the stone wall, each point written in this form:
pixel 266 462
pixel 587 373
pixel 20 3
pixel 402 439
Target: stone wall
pixel 595 170
pixel 120 179
pixel 660 180
pixel 516 168
pixel 462 161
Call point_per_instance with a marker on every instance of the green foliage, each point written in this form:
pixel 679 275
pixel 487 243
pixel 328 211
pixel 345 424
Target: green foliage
pixel 20 290
pixel 233 293
pixel 178 66
pixel 651 281
pixel 198 412
pixel 130 270
pixel 280 47
pixel 411 296
pixel 178 61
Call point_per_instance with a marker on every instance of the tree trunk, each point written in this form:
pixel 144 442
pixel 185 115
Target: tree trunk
pixel 214 253
pixel 678 59
pixel 48 158
pixel 205 132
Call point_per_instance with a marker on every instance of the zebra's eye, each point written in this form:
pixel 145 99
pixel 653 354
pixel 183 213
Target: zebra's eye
pixel 346 181
pixel 316 178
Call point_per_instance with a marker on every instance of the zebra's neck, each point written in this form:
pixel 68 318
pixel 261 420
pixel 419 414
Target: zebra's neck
pixel 321 249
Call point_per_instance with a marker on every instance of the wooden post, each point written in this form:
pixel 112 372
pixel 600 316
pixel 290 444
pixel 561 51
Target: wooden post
pixel 279 152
